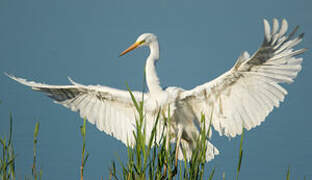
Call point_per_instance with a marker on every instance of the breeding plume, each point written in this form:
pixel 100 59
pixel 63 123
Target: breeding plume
pixel 241 97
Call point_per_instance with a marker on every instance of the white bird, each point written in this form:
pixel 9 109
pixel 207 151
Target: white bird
pixel 241 97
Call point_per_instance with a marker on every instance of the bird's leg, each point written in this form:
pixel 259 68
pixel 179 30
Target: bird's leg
pixel 167 149
pixel 179 135
pixel 175 170
pixel 180 130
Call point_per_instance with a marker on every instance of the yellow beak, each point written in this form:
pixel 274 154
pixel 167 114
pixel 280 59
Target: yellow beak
pixel 132 47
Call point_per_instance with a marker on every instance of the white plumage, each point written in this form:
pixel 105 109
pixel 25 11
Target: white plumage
pixel 241 97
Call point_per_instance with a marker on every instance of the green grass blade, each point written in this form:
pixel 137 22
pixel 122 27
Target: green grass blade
pixel 2 141
pixel 36 130
pixel 84 154
pixel 34 170
pixel 240 154
pixel 211 174
pixel 11 129
pixel 223 176
pixel 288 173
pixel 85 159
pixel 133 99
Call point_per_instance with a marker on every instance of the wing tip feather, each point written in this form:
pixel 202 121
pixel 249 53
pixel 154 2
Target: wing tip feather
pixel 73 82
pixel 267 30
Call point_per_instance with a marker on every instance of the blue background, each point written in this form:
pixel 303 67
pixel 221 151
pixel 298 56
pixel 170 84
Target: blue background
pixel 48 40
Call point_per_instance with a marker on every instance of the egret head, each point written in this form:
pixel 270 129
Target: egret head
pixel 144 39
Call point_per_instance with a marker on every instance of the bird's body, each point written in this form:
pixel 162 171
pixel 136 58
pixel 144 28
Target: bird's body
pixel 241 97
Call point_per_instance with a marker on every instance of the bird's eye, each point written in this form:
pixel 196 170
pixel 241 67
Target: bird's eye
pixel 143 41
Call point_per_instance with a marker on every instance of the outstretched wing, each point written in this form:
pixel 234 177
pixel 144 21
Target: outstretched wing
pixel 111 110
pixel 247 93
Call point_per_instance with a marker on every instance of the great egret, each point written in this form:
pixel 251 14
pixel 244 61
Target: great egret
pixel 241 97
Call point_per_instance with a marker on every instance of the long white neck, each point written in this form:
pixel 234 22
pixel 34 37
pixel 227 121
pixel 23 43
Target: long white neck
pixel 150 70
